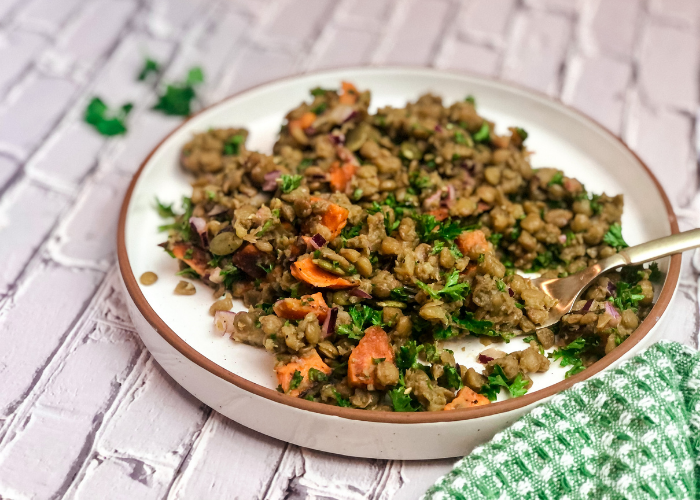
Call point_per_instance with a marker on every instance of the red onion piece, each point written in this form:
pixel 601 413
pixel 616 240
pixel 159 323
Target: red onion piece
pixel 451 197
pixel 612 288
pixel 562 238
pixel 432 201
pixel 309 131
pixel 483 359
pixel 317 241
pixel 359 293
pixel 270 183
pixel 482 206
pixel 438 128
pixel 346 156
pixel 341 114
pixel 218 209
pixel 511 292
pixel 199 226
pixel 338 139
pixel 610 309
pixel 224 322
pixel 587 306
pixel 328 327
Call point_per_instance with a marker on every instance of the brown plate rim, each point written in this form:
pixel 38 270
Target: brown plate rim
pixel 383 416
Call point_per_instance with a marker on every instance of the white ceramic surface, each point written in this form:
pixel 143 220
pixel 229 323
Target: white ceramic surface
pixel 559 137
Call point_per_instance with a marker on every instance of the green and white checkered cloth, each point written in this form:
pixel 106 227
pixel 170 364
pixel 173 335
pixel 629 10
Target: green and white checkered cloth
pixel 630 433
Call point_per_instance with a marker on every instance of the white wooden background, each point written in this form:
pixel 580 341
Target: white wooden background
pixel 84 410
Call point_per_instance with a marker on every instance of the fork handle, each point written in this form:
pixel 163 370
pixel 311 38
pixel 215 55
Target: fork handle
pixel 655 249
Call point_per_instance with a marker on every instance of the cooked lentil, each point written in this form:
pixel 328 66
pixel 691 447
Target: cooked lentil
pixel 366 239
pixel 148 278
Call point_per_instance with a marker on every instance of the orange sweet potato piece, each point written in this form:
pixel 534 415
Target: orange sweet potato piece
pixel 473 243
pixel 307 119
pixel 299 308
pixel 362 370
pixel 466 398
pixel 198 259
pixel 285 373
pixel 249 259
pixel 349 95
pixel 439 213
pixel 305 270
pixel 334 218
pixel 340 176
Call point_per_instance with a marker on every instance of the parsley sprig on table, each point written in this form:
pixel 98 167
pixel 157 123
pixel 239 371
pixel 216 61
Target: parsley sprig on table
pixel 104 120
pixel 177 98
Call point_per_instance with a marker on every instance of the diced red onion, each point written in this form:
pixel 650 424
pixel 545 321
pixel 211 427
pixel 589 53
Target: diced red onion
pixel 359 293
pixel 484 359
pixel 562 238
pixel 482 206
pixel 612 288
pixel 511 292
pixel 225 322
pixel 317 241
pixel 468 165
pixel 451 197
pixel 215 276
pixel 587 306
pixel 610 309
pixel 199 226
pixel 328 327
pixel 432 201
pixel 438 128
pixel 218 209
pixel 309 131
pixel 337 138
pixel 341 114
pixel 270 183
pixel 345 155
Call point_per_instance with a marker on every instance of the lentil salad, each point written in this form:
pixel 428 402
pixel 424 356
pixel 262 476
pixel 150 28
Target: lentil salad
pixel 367 239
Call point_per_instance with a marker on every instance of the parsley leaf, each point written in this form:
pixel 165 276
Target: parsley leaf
pixel 103 120
pixel 178 97
pixel 453 380
pixel 230 275
pixel 399 399
pixel 296 380
pixel 340 399
pixel 483 134
pixel 290 182
pixel 408 355
pixel 317 375
pixel 498 379
pixel 614 237
pixel 182 223
pixel 232 145
pixel 521 132
pixel 188 272
pixel 571 355
pixel 350 232
pixel 362 317
pixel 400 295
pixel 319 91
pixel 149 66
pixel 471 99
pixel 453 290
pixel 164 210
pixel 557 178
pixel 655 274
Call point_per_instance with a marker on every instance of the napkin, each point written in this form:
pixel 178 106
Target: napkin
pixel 632 432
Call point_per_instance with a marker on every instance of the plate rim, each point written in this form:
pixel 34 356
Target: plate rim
pixel 494 409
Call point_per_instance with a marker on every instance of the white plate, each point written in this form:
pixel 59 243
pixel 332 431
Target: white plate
pixel 238 381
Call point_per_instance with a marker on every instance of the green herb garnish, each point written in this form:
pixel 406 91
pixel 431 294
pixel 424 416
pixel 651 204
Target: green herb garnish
pixel 149 66
pixel 106 122
pixel 178 97
pixel 290 182
pixel 557 178
pixel 483 134
pixel 362 317
pixel 614 237
pixel 296 380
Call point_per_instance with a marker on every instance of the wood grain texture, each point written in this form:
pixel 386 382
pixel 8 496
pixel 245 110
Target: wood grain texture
pixel 80 397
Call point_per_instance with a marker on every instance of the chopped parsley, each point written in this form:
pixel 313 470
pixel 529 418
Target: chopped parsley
pixel 453 290
pixel 106 122
pixel 483 134
pixel 290 182
pixel 188 272
pixel 628 296
pixel 340 399
pixel 439 245
pixel 317 110
pixel 232 145
pixel 182 225
pixel 164 210
pixel 460 138
pixel 501 286
pixel 453 380
pixel 399 399
pixel 517 387
pixel 655 274
pixel 296 380
pixel 376 361
pixel 317 375
pixel 362 317
pixel 557 178
pixel 521 132
pixel 408 355
pixel 318 91
pixel 400 295
pixel 571 355
pixel 471 99
pixel 430 229
pixel 178 97
pixel 614 237
pixel 349 232
pixel 267 268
